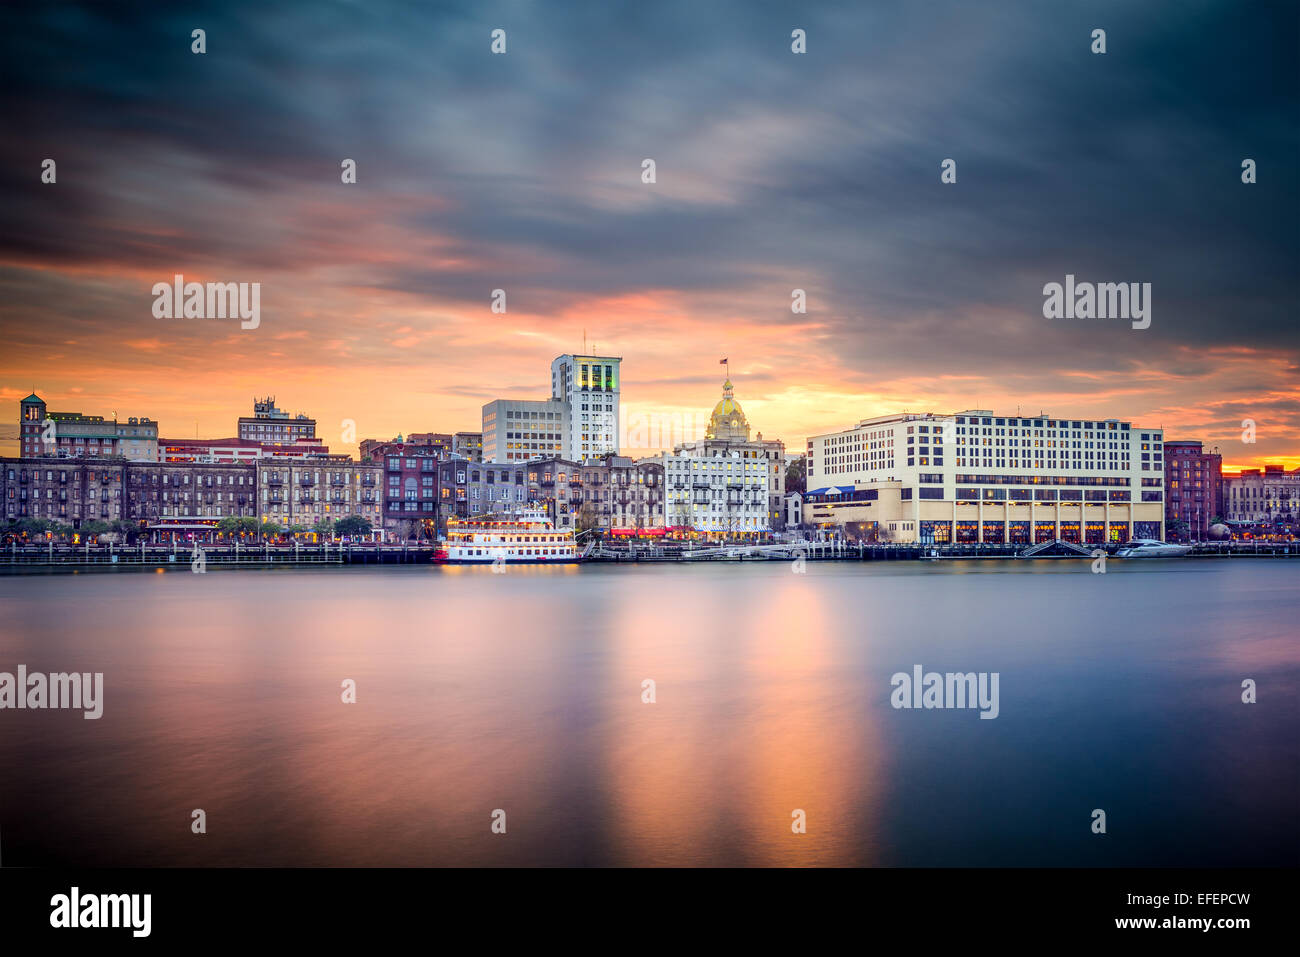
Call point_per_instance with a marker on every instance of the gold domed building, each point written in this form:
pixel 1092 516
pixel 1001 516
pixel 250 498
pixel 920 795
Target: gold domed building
pixel 728 422
pixel 727 436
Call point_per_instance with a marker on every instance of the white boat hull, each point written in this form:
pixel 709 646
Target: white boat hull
pixel 1162 550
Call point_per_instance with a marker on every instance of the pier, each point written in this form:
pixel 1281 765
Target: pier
pixel 285 556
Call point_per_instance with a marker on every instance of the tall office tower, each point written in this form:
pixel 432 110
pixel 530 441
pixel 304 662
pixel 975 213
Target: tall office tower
pixel 589 386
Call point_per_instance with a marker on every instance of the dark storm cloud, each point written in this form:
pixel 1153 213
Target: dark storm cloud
pixel 775 170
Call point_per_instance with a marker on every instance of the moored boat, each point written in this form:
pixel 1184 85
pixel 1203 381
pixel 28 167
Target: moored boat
pixel 506 539
pixel 1151 548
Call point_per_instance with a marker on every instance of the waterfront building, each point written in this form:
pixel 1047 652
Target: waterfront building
pixel 728 433
pixel 555 485
pixel 189 498
pixel 516 430
pixel 42 433
pixel 1268 495
pixel 632 496
pixel 1193 490
pixel 608 493
pixel 310 490
pixel 410 485
pixel 723 494
pixel 977 476
pixel 66 489
pixel 475 489
pixel 589 388
pixel 269 425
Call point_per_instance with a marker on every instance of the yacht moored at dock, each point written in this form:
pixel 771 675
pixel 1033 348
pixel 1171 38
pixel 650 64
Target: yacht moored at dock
pixel 1151 548
pixel 506 539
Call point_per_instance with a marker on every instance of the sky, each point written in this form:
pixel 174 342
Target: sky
pixel 774 170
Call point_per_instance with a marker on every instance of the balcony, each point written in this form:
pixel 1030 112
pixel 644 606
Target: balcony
pixel 275 480
pixel 338 482
pixel 306 482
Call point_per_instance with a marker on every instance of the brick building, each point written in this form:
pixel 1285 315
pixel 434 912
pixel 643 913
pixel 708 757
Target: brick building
pixel 187 497
pixel 67 490
pixel 1193 490
pixel 306 491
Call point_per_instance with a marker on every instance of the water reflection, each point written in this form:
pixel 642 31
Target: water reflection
pixel 522 691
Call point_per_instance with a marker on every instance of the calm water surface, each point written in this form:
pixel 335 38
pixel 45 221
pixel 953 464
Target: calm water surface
pixel 523 692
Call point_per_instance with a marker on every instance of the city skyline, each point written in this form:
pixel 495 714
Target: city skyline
pixel 820 173
pixel 673 420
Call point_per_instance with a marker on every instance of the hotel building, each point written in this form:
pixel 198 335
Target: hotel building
pixel 589 387
pixel 976 476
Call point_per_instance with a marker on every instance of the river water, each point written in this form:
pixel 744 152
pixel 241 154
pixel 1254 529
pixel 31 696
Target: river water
pixel 523 693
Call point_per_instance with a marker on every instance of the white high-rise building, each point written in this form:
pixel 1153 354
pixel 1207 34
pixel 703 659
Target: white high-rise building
pixel 589 386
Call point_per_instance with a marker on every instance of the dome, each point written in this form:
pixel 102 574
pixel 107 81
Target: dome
pixel 727 405
pixel 728 420
pixel 1219 532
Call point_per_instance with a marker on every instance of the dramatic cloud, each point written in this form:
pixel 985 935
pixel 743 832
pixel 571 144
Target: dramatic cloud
pixel 775 171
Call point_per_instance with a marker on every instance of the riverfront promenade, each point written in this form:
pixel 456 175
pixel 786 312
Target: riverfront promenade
pixel 252 556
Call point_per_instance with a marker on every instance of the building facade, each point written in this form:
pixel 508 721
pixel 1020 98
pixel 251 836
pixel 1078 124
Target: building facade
pixel 468 445
pixel 721 495
pixel 410 487
pixel 975 476
pixel 1193 490
pixel 183 497
pixel 486 488
pixel 216 451
pixel 329 487
pixel 589 387
pixel 66 489
pixel 1270 495
pixel 727 433
pixel 42 433
pixel 269 425
pixel 607 493
pixel 516 430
